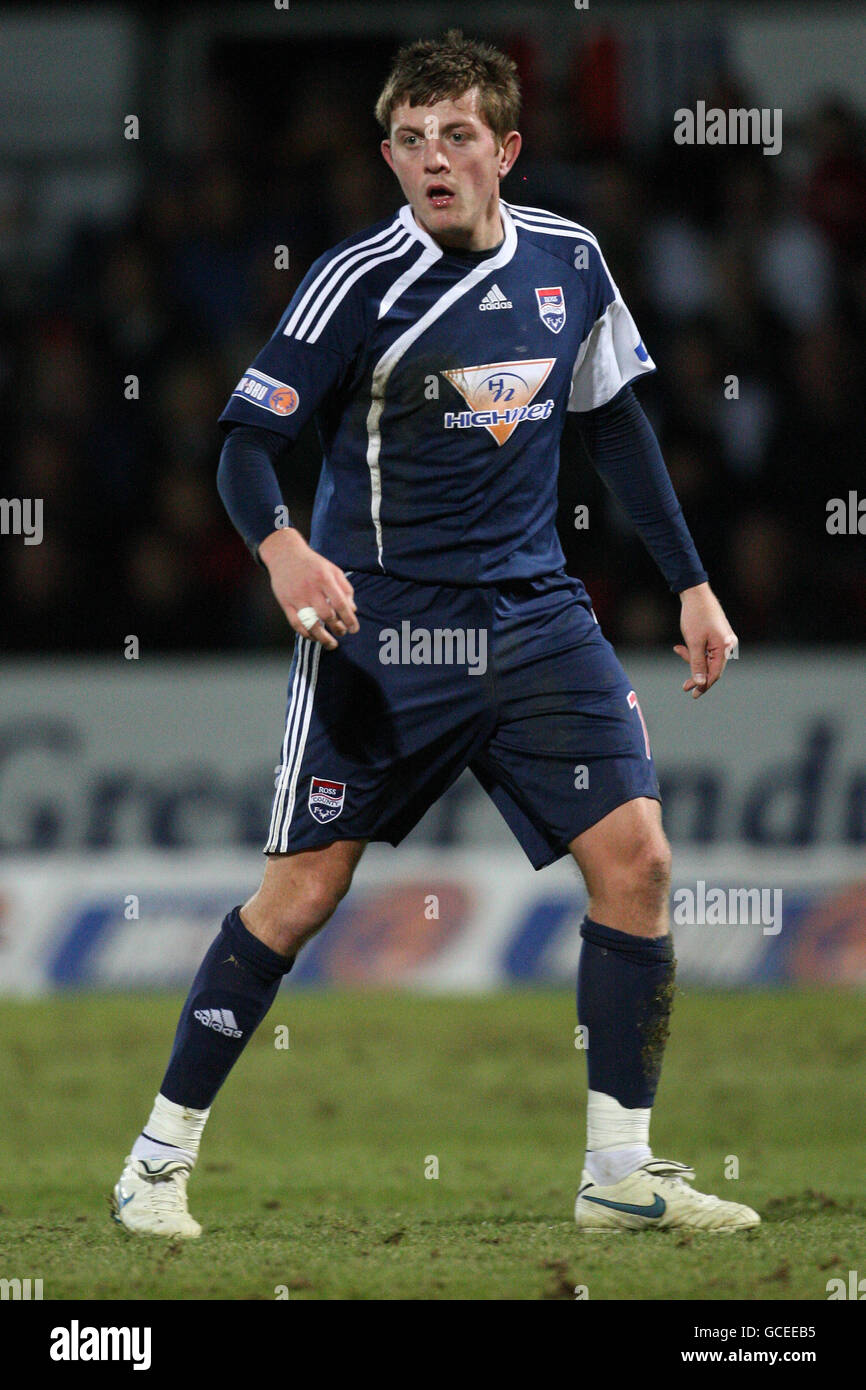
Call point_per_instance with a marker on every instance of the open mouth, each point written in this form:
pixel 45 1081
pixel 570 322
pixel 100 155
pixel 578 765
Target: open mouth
pixel 440 196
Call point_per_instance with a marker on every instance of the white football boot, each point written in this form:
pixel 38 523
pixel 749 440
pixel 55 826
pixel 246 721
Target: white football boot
pixel 149 1198
pixel 656 1196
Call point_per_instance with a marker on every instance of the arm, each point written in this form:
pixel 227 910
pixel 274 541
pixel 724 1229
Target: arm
pixel 308 359
pixel 626 455
pixel 300 578
pixel 247 482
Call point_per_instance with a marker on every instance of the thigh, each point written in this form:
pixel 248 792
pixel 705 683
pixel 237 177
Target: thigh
pixel 629 834
pixel 570 744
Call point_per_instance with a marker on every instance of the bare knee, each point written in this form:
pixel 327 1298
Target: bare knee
pixel 314 900
pixel 650 871
pixel 285 924
pixel 297 896
pixel 638 879
pixel 626 864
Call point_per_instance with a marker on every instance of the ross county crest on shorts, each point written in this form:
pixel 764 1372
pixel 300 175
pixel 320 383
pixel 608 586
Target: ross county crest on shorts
pixel 514 681
pixel 325 799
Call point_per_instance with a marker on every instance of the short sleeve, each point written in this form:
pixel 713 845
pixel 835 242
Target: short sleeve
pixel 612 353
pixel 312 350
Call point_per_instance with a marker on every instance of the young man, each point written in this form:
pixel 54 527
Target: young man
pixel 440 351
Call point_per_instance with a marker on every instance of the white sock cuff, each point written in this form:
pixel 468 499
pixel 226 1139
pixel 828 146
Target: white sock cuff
pixel 176 1124
pixel 611 1125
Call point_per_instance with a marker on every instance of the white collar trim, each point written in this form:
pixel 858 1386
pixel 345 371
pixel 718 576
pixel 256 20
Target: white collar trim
pixel 502 255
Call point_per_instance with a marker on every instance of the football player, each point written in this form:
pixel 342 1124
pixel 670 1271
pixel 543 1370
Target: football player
pixel 440 353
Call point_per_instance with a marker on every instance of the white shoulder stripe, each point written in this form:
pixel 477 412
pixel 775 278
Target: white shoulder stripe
pixel 331 304
pixel 531 219
pixel 543 216
pixel 364 259
pixel 328 270
pixel 551 229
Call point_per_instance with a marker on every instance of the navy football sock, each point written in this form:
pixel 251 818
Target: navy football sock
pixel 236 985
pixel 625 987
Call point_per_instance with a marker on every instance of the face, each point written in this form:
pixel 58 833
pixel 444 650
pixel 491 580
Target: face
pixel 449 165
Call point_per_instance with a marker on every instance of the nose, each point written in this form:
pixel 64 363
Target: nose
pixel 435 157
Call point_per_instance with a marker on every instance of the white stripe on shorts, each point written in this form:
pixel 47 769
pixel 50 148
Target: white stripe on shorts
pixel 302 743
pixel 294 741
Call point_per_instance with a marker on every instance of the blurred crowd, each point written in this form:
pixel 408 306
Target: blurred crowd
pixel 746 275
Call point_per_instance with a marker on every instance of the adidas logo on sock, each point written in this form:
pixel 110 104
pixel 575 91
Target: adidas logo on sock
pixel 495 299
pixel 220 1020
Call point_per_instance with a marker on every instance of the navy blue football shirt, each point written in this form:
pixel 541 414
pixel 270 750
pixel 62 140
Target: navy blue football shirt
pixel 440 386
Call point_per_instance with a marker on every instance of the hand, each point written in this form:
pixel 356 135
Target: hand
pixel 709 638
pixel 301 578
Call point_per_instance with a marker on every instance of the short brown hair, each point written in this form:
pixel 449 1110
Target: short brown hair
pixel 432 70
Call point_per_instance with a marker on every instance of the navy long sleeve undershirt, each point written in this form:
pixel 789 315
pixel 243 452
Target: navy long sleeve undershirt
pixel 618 436
pixel 625 453
pixel 247 481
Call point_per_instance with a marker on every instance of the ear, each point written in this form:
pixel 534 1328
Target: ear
pixel 511 147
pixel 385 147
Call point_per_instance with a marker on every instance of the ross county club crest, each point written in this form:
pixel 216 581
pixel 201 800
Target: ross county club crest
pixel 551 307
pixel 326 799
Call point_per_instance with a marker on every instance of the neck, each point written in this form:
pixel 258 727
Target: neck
pixel 482 237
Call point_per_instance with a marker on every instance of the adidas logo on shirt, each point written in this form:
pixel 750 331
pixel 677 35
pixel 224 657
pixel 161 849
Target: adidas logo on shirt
pixel 220 1020
pixel 495 299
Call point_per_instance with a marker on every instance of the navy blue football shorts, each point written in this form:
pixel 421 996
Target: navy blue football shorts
pixel 514 681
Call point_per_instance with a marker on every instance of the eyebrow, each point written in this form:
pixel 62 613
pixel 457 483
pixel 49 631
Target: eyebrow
pixel 414 130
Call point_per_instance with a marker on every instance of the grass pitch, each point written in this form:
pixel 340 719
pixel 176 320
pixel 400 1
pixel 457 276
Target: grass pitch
pixel 311 1182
